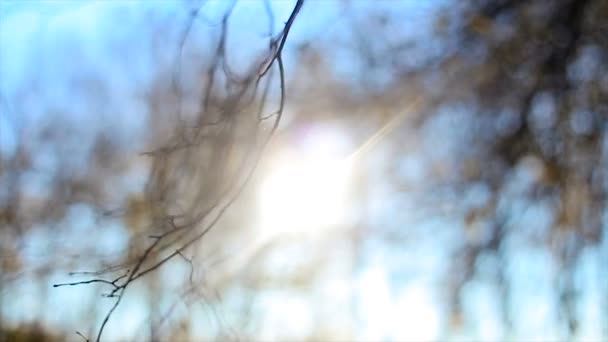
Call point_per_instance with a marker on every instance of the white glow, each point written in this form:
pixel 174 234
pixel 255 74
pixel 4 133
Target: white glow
pixel 411 314
pixel 375 304
pixel 305 191
pixel 303 194
pixel 416 315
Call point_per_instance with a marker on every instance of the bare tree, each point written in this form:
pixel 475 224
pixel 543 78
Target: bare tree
pixel 207 160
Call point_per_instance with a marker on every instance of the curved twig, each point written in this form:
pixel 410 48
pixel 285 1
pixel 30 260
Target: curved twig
pixel 180 231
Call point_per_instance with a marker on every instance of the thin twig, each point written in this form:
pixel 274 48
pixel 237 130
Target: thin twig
pixel 81 335
pixel 109 314
pixel 236 101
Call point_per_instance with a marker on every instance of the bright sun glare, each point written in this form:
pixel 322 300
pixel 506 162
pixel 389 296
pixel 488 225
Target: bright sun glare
pixel 307 190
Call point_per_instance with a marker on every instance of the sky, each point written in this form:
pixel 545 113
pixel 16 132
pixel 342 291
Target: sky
pixel 47 47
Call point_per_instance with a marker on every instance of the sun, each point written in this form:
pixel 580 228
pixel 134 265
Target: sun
pixel 306 190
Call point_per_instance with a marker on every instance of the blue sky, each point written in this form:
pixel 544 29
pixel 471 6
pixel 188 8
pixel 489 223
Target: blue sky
pixel 47 47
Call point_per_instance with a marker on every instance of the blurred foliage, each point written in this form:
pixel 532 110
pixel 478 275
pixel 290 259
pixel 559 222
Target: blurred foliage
pixel 28 333
pixel 512 101
pixel 527 80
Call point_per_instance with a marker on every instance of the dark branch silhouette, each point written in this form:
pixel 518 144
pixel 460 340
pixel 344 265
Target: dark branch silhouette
pixel 179 231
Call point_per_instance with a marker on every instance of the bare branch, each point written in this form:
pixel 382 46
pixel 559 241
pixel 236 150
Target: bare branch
pixel 178 232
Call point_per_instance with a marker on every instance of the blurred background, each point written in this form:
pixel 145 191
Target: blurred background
pixel 439 170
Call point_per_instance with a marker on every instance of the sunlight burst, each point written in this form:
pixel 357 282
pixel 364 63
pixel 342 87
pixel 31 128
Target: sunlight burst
pixel 304 192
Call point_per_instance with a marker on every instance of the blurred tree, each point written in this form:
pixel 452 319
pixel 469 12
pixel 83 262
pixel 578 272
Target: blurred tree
pixel 523 86
pixel 538 83
pixel 531 77
pixel 527 83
